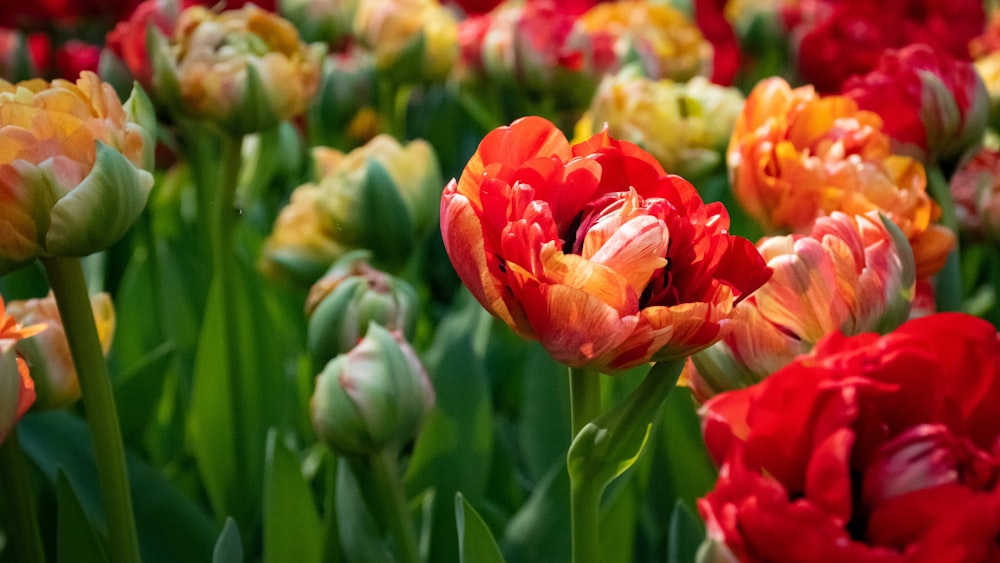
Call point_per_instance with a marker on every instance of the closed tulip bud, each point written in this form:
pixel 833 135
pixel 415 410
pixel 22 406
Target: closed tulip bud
pixel 381 179
pixel 48 354
pixel 321 20
pixel 342 115
pixel 301 245
pixel 71 174
pixel 244 70
pixel 850 274
pixel 351 295
pixel 372 398
pixel 413 40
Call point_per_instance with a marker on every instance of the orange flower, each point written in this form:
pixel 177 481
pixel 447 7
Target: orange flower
pixel 17 390
pixel 795 156
pixel 593 249
pixel 71 159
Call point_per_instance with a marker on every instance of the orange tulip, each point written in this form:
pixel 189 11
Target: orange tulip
pixel 17 390
pixel 593 249
pixel 795 156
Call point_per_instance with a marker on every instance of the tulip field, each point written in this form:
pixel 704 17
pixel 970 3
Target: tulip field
pixel 485 281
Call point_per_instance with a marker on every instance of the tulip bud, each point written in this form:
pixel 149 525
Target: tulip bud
pixel 345 95
pixel 975 187
pixel 378 180
pixel 413 40
pixel 351 295
pixel 16 62
pixel 48 354
pixel 301 245
pixel 372 398
pixel 245 70
pixel 72 182
pixel 321 20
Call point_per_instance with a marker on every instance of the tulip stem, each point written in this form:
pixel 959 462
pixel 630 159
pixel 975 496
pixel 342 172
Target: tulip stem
pixel 391 499
pixel 223 282
pixel 585 497
pixel 19 513
pixel 70 289
pixel 948 294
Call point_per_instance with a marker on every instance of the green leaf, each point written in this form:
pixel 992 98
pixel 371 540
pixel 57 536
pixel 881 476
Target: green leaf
pixel 229 546
pixel 139 390
pixel 610 444
pixel 292 529
pixel 76 538
pixel 171 527
pixel 475 541
pixel 452 452
pixel 359 535
pixel 686 533
pixel 540 530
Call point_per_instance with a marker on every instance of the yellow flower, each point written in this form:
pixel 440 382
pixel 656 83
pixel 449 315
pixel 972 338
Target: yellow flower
pixel 71 167
pixel 413 40
pixel 48 355
pixel 245 69
pixel 684 125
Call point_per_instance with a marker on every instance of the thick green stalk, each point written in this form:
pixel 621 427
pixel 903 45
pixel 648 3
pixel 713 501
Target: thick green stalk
pixel 70 289
pixel 390 504
pixel 20 518
pixel 585 497
pixel 948 294
pixel 224 275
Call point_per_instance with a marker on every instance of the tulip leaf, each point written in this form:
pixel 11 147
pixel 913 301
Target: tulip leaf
pixel 96 213
pixel 685 535
pixel 76 538
pixel 540 530
pixel 359 535
pixel 291 523
pixel 171 527
pixel 229 546
pixel 610 444
pixel 475 541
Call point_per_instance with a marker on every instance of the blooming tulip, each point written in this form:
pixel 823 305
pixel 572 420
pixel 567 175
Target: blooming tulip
pixel 872 448
pixel 850 273
pixel 17 390
pixel 932 105
pixel 48 354
pixel 71 173
pixel 795 156
pixel 593 249
pixel 686 126
pixel 245 70
pixel 413 40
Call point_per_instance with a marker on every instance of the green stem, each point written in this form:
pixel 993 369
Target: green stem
pixel 585 498
pixel 20 518
pixel 224 275
pixel 584 397
pixel 332 551
pixel 391 504
pixel 70 289
pixel 948 294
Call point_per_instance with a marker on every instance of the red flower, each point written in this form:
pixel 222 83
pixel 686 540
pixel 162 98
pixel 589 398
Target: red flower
pixel 128 39
pixel 835 39
pixel 932 104
pixel 593 249
pixel 711 20
pixel 870 449
pixel 74 57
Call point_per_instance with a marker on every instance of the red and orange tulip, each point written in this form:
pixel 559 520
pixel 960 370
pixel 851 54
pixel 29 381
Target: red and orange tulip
pixel 795 156
pixel 17 390
pixel 593 249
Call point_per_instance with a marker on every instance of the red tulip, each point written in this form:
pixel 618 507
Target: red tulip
pixel 593 249
pixel 870 449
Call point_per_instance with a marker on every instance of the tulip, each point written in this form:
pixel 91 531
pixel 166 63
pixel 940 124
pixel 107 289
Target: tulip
pixel 413 40
pixel 16 59
pixel 593 249
pixel 127 41
pixel 372 398
pixel 975 187
pixel 851 274
pixel 17 390
pixel 245 70
pixel 795 156
pixel 343 116
pixel 71 175
pixel 48 354
pixel 686 126
pixel 348 297
pixel 321 20
pixel 301 246
pixel 934 106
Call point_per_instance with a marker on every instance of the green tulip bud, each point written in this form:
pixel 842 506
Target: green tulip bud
pixel 351 295
pixel 372 398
